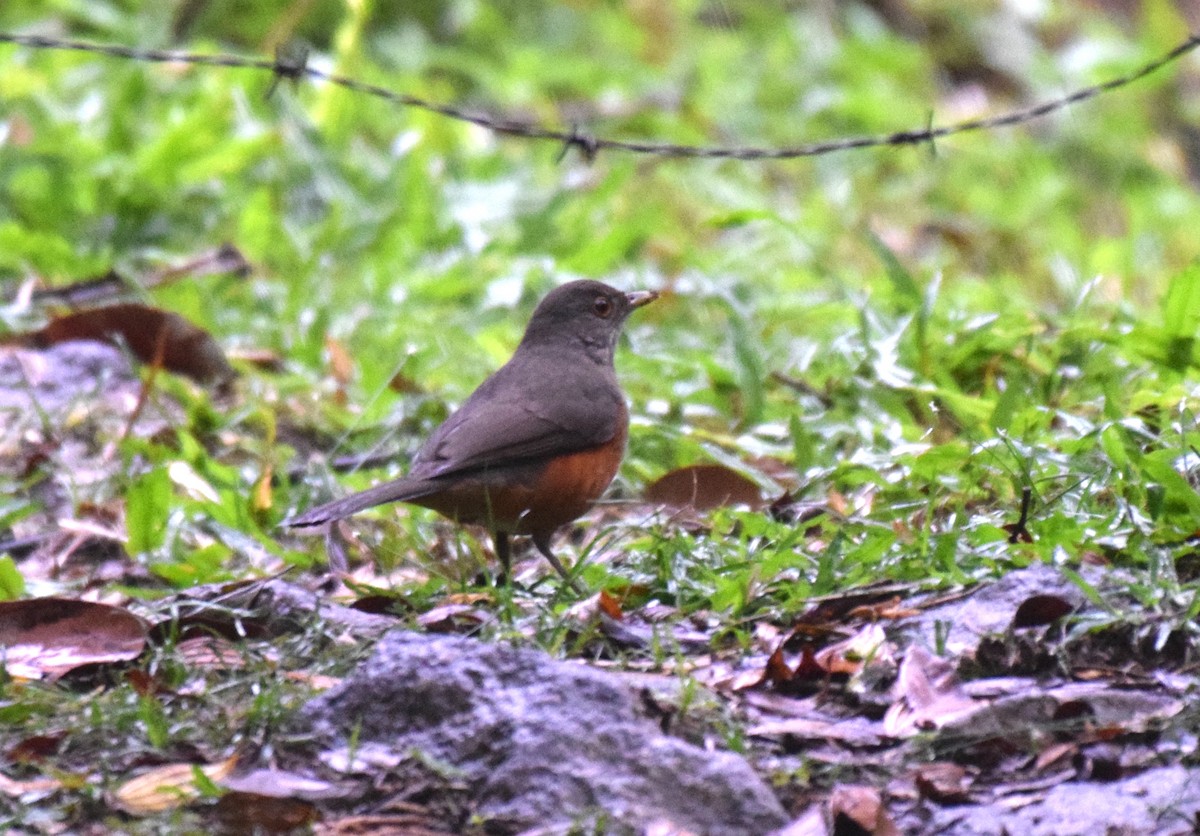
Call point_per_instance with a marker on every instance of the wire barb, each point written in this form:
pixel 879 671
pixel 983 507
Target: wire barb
pixel 293 69
pixel 291 63
pixel 588 145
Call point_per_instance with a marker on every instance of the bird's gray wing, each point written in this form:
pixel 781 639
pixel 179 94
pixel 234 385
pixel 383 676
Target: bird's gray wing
pixel 502 423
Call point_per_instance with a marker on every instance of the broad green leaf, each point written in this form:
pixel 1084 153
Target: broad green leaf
pixel 147 507
pixel 12 583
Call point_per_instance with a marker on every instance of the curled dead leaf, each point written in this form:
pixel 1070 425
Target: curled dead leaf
pixel 850 654
pixel 856 809
pixel 777 670
pixel 943 782
pixel 609 605
pixel 261 493
pixel 341 366
pixel 590 609
pixel 928 695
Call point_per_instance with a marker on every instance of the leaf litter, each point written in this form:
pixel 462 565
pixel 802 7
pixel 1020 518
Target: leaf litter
pixel 981 699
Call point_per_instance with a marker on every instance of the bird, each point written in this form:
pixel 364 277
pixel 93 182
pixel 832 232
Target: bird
pixel 537 442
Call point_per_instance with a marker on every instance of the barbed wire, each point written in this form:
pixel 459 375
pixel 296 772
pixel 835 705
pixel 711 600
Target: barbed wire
pixel 292 65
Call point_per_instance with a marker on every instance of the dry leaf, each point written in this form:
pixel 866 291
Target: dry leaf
pixel 453 618
pixel 419 822
pixel 261 358
pixel 246 812
pixel 404 384
pixel 316 681
pixel 928 694
pixel 702 487
pixel 16 789
pixel 210 653
pixel 890 609
pixel 747 679
pixel 167 787
pixel 260 494
pixel 146 685
pixel 591 608
pixel 861 807
pixel 341 366
pixel 1055 753
pixel 852 731
pixel 777 671
pixel 36 748
pixel 278 783
pixel 943 782
pixel 609 605
pixel 810 823
pixel 46 637
pixel 1041 610
pixel 154 336
pixel 849 655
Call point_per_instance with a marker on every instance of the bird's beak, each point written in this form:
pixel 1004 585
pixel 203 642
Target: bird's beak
pixel 641 297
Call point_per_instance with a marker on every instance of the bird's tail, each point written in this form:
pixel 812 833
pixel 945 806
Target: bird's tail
pixel 394 491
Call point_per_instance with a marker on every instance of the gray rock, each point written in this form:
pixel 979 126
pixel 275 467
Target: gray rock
pixel 540 743
pixel 990 609
pixel 57 377
pixel 1164 801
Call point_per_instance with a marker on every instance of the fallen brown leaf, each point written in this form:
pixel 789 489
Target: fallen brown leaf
pixel 702 487
pixel 859 807
pixel 36 748
pixel 609 605
pixel 943 782
pixel 849 655
pixel 928 694
pixel 46 637
pixel 245 812
pixel 453 618
pixel 853 731
pixel 155 336
pixel 1040 610
pixel 419 822
pixel 167 787
pixel 316 681
pixel 210 653
pixel 16 789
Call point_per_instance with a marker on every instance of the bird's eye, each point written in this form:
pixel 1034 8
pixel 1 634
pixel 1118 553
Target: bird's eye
pixel 602 307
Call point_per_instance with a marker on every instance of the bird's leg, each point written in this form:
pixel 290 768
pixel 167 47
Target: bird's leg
pixel 542 541
pixel 504 555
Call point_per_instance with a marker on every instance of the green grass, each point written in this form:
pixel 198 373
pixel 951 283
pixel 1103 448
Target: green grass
pixel 1005 310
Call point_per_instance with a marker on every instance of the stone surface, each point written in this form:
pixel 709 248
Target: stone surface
pixel 990 609
pixel 64 375
pixel 541 743
pixel 1162 801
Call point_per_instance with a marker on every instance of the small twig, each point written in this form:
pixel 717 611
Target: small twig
pixel 803 387
pixel 1018 532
